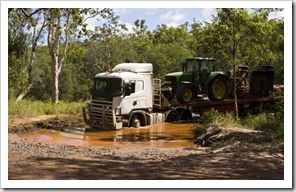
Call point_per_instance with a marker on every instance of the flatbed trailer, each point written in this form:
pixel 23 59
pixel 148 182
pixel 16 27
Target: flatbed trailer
pixel 248 105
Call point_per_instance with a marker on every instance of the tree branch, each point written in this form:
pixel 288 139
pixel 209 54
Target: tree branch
pixel 31 14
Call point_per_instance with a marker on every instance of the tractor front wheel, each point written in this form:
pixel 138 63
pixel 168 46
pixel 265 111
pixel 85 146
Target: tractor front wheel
pixel 185 93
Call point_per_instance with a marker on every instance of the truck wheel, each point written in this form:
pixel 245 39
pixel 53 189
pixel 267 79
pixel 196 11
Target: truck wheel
pixel 135 121
pixel 185 93
pixel 172 117
pixel 218 89
pixel 185 115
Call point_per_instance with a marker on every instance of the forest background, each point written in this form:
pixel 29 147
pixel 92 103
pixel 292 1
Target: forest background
pixel 52 56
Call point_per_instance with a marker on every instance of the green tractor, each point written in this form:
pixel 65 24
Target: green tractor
pixel 198 77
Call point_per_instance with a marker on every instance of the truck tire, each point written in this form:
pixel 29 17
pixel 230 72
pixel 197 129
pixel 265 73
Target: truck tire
pixel 185 115
pixel 136 121
pixel 218 89
pixel 172 117
pixel 185 93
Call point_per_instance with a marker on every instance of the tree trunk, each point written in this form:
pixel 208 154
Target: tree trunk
pixel 234 87
pixel 55 77
pixel 23 93
pixel 32 60
pixel 54 34
pixel 30 77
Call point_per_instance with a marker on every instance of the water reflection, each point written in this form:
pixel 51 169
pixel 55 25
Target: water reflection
pixel 161 135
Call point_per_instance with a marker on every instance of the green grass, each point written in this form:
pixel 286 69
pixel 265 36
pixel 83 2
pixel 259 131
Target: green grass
pixel 29 108
pixel 212 116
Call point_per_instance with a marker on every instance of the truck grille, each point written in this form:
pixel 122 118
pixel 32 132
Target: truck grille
pixel 101 113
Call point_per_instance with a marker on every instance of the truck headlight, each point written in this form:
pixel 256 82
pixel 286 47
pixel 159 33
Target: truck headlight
pixel 118 119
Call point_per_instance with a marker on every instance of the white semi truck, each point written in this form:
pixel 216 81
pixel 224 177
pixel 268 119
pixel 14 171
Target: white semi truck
pixel 125 96
pixel 129 96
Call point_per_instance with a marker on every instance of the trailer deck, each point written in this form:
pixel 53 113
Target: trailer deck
pixel 226 105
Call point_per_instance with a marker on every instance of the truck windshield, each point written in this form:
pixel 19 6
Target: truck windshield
pixel 107 87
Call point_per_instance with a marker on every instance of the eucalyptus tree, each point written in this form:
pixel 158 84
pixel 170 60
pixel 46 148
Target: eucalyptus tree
pixel 268 41
pixel 24 22
pixel 60 25
pixel 63 24
pixel 232 27
pixel 206 42
pixel 170 46
pixel 141 38
pixel 17 57
pixel 105 37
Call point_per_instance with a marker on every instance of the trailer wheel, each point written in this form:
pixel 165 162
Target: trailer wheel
pixel 185 115
pixel 172 117
pixel 185 93
pixel 135 121
pixel 218 89
pixel 258 109
pixel 267 107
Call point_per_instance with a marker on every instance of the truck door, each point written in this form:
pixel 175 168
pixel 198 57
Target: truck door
pixel 137 98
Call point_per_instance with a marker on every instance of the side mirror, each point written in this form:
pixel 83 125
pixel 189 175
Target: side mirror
pixel 127 89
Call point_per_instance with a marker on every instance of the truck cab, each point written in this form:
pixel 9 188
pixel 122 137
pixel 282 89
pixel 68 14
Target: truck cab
pixel 118 94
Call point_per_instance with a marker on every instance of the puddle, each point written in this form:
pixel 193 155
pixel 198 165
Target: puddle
pixel 161 135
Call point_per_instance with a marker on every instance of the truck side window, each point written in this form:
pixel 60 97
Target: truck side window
pixel 133 87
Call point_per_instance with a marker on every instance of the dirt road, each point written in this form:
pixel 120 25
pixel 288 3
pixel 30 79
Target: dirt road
pixel 34 160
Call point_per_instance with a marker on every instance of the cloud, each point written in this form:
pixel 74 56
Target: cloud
pixel 151 11
pixel 122 11
pixel 173 24
pixel 173 16
pixel 207 13
pixel 276 15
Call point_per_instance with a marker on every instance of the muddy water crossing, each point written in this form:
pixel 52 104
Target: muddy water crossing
pixel 161 135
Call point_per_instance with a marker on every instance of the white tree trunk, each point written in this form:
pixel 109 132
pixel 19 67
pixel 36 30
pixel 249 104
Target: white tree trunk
pixel 57 60
pixel 55 77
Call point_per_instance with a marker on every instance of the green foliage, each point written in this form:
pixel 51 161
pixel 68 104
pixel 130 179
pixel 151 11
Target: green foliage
pixel 17 78
pixel 30 108
pixel 271 124
pixel 255 39
pixel 166 58
pixel 212 116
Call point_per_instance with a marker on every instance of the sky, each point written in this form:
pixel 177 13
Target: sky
pixel 169 16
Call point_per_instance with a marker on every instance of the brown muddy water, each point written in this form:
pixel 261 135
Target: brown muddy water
pixel 161 135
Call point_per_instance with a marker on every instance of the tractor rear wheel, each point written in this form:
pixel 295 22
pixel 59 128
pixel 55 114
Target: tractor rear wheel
pixel 218 89
pixel 185 93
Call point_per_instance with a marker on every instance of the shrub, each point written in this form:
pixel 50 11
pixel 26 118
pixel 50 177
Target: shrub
pixel 271 123
pixel 213 116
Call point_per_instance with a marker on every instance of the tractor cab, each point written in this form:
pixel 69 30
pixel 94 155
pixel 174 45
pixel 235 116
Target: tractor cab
pixel 199 68
pixel 198 64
